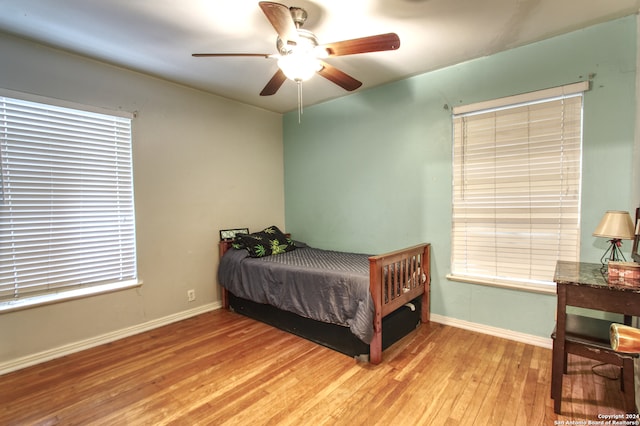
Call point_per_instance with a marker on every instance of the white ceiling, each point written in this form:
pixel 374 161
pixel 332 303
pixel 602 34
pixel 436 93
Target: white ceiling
pixel 157 37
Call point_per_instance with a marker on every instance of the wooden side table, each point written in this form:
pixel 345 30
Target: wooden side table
pixel 584 285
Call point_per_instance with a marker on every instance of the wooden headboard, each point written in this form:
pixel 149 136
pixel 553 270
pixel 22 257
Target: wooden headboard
pixel 223 246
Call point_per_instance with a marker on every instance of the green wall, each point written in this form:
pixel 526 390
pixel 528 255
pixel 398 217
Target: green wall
pixel 371 172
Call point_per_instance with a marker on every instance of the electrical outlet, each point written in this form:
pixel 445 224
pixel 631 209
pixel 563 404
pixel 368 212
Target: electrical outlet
pixel 191 295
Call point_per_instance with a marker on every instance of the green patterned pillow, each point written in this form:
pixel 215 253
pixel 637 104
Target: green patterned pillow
pixel 264 243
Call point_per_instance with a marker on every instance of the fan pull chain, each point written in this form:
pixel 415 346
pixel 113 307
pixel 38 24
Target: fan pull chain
pixel 300 112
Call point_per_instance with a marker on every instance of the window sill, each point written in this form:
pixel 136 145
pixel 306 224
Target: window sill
pixel 511 285
pixel 47 299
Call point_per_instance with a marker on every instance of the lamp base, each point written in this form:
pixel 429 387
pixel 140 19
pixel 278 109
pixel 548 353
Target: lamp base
pixel 613 253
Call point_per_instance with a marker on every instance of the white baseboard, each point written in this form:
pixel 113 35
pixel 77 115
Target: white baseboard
pixel 530 339
pixel 29 360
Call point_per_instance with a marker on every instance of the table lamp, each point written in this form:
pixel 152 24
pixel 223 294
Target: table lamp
pixel 617 226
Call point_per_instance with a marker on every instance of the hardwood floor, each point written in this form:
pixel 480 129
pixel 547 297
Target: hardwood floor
pixel 222 368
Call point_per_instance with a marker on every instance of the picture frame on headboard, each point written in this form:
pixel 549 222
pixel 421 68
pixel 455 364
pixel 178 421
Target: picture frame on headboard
pixel 635 251
pixel 230 234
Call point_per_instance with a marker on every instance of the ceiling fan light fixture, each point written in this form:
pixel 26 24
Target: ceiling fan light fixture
pixel 299 62
pixel 299 66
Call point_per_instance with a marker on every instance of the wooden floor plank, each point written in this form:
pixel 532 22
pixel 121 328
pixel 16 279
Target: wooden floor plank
pixel 222 368
pixel 463 408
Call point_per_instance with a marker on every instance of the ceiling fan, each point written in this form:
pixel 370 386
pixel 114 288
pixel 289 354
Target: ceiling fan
pixel 300 55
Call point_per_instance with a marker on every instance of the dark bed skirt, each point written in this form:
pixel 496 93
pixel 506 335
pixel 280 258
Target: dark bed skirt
pixel 395 326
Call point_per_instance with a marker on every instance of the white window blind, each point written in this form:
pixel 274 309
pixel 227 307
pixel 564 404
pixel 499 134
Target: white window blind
pixel 516 188
pixel 66 200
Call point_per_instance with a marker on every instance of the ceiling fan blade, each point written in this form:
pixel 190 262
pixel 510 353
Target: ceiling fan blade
pixel 280 17
pixel 376 43
pixel 274 84
pixel 338 77
pixel 216 55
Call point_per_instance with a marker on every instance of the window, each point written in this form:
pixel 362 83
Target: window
pixel 516 187
pixel 66 203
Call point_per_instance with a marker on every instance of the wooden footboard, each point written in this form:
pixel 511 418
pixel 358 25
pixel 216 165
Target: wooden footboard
pixel 395 279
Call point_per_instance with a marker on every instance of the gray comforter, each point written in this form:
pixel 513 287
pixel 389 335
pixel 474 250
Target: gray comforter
pixel 324 285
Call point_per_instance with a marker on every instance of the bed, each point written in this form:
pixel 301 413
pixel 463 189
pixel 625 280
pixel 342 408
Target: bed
pixel 355 303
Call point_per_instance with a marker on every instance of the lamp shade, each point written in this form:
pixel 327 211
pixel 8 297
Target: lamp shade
pixel 615 224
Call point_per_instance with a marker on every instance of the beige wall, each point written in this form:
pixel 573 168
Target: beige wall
pixel 201 163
